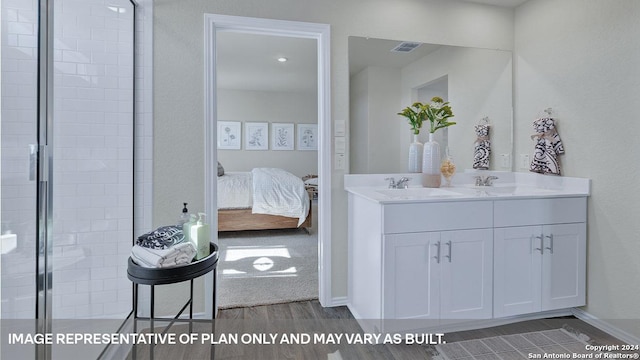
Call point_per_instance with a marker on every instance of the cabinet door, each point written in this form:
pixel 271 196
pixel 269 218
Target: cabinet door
pixel 411 271
pixel 517 270
pixel 564 266
pixel 466 281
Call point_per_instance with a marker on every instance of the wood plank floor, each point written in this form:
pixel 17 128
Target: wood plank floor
pixel 310 317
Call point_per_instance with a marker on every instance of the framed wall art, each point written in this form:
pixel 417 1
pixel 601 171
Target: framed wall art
pixel 229 135
pixel 256 136
pixel 282 136
pixel 307 137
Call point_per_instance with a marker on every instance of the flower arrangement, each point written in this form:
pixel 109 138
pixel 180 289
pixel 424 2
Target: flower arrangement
pixel 414 117
pixel 437 113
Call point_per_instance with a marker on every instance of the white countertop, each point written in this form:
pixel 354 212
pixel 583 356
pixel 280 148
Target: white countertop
pixel 509 185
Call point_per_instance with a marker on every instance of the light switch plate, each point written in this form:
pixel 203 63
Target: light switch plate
pixel 524 161
pixel 340 145
pixel 339 128
pixel 505 161
pixel 339 162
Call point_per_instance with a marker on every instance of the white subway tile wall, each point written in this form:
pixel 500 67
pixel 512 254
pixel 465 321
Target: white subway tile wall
pixel 144 118
pixel 93 115
pixel 19 84
pixel 93 166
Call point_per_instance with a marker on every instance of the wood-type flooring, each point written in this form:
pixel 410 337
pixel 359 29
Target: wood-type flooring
pixel 256 325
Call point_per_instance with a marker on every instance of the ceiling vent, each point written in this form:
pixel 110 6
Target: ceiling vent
pixel 405 47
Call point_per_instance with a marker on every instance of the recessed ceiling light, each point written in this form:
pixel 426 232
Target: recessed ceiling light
pixel 282 59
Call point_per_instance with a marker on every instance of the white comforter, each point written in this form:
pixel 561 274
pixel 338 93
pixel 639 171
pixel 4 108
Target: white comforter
pixel 235 190
pixel 266 191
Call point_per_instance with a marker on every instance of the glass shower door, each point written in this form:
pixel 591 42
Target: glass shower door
pixel 92 158
pixel 92 161
pixel 18 238
pixel 67 141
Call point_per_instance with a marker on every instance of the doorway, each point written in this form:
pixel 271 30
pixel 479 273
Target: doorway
pixel 320 32
pixel 267 99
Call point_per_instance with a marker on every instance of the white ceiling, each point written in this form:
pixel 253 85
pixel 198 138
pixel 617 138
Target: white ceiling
pixel 365 52
pixel 249 62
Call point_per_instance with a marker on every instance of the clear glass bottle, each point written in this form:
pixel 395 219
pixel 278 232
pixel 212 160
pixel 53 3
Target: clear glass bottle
pixel 447 167
pixel 184 217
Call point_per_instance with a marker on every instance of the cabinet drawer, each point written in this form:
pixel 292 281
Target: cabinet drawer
pixel 539 211
pixel 405 218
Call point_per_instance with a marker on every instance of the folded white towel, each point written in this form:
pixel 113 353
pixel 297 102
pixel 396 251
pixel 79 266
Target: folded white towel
pixel 179 254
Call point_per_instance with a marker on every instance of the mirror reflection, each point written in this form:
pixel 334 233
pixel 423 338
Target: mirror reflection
pixel 388 75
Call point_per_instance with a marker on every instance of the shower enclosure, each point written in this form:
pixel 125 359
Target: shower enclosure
pixel 70 159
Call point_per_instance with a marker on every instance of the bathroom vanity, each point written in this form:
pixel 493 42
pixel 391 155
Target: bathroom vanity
pixel 460 257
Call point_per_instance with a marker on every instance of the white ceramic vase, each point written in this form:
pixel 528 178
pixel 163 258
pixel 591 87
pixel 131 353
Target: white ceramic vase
pixel 415 155
pixel 431 159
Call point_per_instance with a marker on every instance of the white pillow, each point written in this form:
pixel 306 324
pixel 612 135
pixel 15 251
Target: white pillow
pixel 312 181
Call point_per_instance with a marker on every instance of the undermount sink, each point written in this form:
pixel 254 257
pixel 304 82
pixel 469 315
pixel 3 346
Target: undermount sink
pixel 511 190
pixel 416 193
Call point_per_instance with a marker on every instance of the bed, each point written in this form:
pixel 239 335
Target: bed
pixel 262 199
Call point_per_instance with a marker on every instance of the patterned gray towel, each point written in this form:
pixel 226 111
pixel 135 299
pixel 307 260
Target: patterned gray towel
pixel 547 148
pixel 162 238
pixel 482 150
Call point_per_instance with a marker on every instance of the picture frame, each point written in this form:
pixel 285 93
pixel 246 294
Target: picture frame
pixel 229 135
pixel 307 136
pixel 282 136
pixel 256 136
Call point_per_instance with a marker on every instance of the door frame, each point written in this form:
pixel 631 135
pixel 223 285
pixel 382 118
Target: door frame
pixel 321 33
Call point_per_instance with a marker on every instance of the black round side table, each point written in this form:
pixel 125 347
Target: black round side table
pixel 163 276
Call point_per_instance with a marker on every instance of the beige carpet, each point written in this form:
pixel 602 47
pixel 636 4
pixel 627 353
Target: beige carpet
pixel 558 342
pixel 267 267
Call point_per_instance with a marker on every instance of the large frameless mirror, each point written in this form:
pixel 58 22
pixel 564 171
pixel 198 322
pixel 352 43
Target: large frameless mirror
pixel 477 83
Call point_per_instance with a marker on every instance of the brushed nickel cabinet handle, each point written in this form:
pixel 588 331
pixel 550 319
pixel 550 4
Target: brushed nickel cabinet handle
pixel 541 248
pixel 550 247
pixel 437 257
pixel 450 246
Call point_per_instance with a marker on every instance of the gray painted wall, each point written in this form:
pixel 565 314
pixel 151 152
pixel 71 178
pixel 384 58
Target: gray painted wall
pixel 581 58
pixel 271 107
pixel 577 56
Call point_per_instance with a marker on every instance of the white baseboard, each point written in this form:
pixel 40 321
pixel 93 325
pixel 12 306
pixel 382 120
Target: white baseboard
pixel 339 301
pixel 605 326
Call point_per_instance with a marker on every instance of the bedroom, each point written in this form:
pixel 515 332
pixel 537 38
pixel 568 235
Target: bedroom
pixel 259 96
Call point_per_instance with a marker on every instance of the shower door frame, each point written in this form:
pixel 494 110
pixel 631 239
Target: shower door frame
pixel 44 168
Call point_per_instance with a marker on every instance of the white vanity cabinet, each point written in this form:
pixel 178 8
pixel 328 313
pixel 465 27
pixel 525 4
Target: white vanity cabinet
pixel 431 262
pixel 539 267
pixel 479 258
pixel 438 275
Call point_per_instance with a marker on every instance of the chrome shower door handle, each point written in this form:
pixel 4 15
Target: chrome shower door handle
pixel 33 161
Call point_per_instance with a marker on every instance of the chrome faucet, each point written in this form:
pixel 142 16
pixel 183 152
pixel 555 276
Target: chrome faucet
pixel 392 182
pixel 401 184
pixel 485 181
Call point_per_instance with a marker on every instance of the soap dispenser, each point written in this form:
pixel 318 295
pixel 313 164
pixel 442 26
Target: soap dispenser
pixel 184 217
pixel 186 229
pixel 200 237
